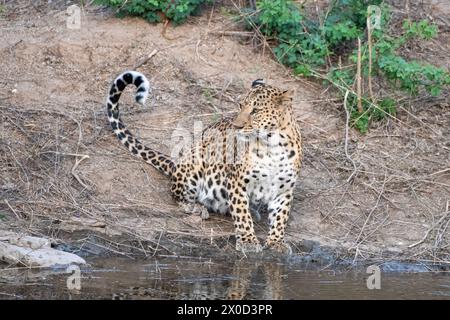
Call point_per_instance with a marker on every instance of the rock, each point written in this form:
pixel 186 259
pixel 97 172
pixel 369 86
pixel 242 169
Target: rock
pixel 396 250
pixel 76 224
pixel 28 241
pixel 308 245
pixel 24 240
pixel 34 252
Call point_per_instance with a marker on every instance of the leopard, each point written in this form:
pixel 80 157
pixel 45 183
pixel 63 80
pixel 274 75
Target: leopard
pixel 262 145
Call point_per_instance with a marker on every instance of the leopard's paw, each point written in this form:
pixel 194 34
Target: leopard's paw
pixel 248 246
pixel 278 246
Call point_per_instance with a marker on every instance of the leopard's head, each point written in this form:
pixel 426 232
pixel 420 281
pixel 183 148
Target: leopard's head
pixel 262 108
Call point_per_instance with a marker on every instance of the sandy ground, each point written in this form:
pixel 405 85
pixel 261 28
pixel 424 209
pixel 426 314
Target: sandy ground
pixel 52 88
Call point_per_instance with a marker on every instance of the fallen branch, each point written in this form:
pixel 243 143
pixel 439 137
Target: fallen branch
pixel 145 59
pixel 77 163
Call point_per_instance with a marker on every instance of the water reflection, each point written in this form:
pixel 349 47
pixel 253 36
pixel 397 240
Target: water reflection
pixel 176 278
pixel 245 274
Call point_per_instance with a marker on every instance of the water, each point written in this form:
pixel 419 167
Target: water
pixel 193 278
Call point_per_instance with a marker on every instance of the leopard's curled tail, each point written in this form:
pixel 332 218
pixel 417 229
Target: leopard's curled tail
pixel 157 159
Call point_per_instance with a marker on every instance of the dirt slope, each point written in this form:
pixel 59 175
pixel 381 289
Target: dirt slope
pixel 52 89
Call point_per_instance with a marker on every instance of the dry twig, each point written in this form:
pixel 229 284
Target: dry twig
pixel 144 60
pixel 359 79
pixel 347 119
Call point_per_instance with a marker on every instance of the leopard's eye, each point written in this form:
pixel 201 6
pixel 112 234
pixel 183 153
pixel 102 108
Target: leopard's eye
pixel 253 111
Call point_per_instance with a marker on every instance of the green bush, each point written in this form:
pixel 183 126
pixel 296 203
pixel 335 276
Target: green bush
pixel 410 76
pixel 156 10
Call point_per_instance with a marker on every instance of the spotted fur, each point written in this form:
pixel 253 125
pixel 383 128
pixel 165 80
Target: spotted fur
pixel 255 166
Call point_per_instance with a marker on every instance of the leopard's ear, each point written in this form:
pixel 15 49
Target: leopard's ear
pixel 258 82
pixel 286 97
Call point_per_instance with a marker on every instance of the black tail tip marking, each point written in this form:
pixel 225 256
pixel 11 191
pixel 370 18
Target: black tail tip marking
pixel 140 98
pixel 258 82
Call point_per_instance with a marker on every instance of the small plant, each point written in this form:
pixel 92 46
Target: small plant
pixel 157 10
pixel 207 94
pixel 411 76
pixel 2 9
pixel 216 117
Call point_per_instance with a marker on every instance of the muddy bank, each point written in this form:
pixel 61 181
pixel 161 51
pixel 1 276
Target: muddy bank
pixel 308 254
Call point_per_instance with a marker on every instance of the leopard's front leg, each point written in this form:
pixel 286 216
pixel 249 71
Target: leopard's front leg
pixel 279 209
pixel 238 202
